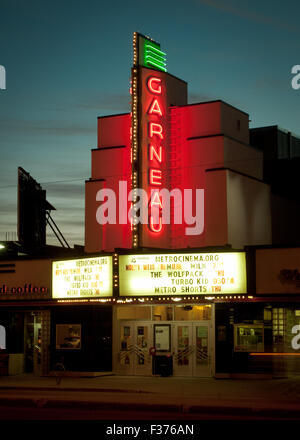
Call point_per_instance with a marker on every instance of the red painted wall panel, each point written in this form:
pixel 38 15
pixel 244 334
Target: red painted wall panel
pixel 111 163
pixel 113 130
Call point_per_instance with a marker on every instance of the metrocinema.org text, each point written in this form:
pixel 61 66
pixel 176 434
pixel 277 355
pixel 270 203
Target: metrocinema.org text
pixel 158 208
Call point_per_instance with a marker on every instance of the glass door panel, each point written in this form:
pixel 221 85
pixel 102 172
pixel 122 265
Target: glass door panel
pixel 183 350
pixel 134 344
pixel 202 354
pixel 201 345
pixel 143 339
pixel 183 343
pixel 37 343
pixel 126 348
pixel 192 349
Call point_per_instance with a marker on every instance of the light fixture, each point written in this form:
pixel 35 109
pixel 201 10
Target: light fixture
pixel 2 246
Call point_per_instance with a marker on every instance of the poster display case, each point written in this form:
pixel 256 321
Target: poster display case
pixel 162 337
pixel 248 337
pixel 68 336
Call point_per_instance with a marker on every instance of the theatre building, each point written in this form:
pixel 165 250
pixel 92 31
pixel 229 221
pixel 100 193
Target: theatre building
pixel 184 286
pixel 185 270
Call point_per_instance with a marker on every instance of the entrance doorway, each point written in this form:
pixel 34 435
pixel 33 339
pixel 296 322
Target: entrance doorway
pixel 33 343
pixel 181 334
pixel 135 340
pixel 192 349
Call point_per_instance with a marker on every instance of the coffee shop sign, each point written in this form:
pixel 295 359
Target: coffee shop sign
pixel 21 290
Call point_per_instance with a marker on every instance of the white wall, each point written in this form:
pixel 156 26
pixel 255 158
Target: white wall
pixel 248 211
pixel 242 158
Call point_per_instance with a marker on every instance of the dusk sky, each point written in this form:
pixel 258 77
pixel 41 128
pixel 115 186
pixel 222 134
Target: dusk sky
pixel 68 62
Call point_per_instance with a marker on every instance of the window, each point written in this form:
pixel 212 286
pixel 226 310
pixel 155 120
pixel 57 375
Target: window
pixel 248 337
pixel 278 325
pixel 192 313
pixel 162 313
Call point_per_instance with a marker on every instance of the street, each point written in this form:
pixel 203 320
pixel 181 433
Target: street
pixel 64 404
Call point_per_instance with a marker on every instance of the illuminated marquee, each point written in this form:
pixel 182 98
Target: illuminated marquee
pixel 87 277
pixel 182 274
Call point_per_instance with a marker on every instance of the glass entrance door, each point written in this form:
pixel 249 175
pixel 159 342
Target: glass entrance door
pixel 135 340
pixel 192 349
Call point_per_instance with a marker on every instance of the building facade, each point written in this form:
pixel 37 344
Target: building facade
pixel 180 274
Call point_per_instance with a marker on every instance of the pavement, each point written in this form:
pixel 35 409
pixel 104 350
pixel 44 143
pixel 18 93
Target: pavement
pixel 254 398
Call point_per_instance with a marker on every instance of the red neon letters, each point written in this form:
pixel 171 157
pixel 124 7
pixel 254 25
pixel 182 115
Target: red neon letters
pixel 156 133
pixel 155 153
pixel 155 130
pixel 155 177
pixel 153 86
pixel 155 108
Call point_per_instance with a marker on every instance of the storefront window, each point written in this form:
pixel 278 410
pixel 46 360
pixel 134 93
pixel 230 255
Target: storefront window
pixel 278 324
pixel 68 336
pixel 291 327
pixel 162 313
pixel 249 337
pixel 165 312
pixel 134 312
pixel 192 313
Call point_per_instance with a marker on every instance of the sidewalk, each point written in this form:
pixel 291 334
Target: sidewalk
pixel 278 398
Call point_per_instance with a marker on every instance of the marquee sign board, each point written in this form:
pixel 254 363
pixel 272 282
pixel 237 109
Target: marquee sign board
pixel 87 277
pixel 182 274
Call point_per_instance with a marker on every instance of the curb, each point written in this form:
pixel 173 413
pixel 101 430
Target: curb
pixel 62 388
pixel 273 413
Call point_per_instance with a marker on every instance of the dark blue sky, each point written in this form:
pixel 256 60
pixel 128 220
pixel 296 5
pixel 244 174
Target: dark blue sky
pixel 68 62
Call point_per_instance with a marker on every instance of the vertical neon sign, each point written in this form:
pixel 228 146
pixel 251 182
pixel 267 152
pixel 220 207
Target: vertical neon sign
pixel 147 54
pixel 156 134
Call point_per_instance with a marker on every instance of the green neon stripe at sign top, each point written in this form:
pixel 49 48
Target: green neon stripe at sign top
pixel 153 56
